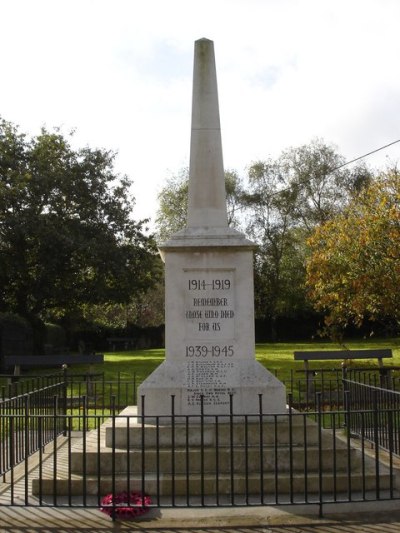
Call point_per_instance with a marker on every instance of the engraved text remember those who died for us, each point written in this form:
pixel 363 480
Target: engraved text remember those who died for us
pixel 209 313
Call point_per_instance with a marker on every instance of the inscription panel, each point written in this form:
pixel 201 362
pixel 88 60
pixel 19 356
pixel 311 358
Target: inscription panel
pixel 209 304
pixel 209 318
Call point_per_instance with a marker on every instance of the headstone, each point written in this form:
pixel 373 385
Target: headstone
pixel 209 301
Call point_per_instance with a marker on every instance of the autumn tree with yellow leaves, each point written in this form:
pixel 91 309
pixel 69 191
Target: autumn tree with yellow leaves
pixel 353 270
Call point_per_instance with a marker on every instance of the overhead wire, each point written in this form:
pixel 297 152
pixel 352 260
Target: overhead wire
pixel 365 155
pixel 347 163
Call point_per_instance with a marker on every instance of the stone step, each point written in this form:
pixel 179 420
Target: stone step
pixel 129 434
pixel 193 460
pixel 195 485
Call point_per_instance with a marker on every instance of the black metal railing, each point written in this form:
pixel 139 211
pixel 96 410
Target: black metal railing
pixel 56 397
pixel 198 460
pixel 19 433
pixel 89 384
pixel 23 384
pixel 373 413
pixel 306 386
pixel 101 392
pixel 66 444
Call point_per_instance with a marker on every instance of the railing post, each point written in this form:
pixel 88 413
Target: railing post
pixel 291 477
pixel 55 451
pixel 376 440
pixel 346 405
pixel 261 445
pixel 391 446
pixel 11 455
pixel 113 457
pixel 202 448
pixel 232 458
pixel 65 397
pixel 344 384
pixel 173 447
pixel 320 461
pixel 27 446
pixel 348 425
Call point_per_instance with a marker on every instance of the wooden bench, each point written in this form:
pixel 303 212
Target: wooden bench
pixel 345 356
pixel 53 360
pixel 124 343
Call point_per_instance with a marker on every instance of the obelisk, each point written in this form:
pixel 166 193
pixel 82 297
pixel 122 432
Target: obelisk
pixel 207 196
pixel 209 302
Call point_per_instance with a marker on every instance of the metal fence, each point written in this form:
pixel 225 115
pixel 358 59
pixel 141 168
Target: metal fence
pixel 305 387
pixel 65 444
pixel 23 384
pixel 196 461
pixel 35 411
pixel 373 413
pixel 101 392
pixel 328 384
pixel 29 421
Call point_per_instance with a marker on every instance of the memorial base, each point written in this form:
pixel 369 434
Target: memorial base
pixel 240 387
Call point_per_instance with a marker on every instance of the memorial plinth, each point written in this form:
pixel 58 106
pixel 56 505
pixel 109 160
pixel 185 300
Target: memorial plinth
pixel 209 300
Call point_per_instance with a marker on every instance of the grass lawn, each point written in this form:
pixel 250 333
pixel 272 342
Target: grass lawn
pixel 277 357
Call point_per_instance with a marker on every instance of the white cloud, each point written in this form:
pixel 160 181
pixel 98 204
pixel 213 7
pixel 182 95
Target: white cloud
pixel 120 73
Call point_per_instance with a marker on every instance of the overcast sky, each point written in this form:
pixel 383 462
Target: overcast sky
pixel 120 73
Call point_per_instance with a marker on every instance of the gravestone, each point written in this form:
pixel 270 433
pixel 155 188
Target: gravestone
pixel 209 301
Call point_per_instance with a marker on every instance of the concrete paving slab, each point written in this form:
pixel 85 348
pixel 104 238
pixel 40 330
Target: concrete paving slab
pixel 264 520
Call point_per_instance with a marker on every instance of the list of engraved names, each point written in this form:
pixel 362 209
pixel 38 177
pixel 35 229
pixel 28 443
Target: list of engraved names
pixel 209 379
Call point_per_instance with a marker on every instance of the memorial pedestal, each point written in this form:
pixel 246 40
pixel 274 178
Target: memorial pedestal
pixel 210 358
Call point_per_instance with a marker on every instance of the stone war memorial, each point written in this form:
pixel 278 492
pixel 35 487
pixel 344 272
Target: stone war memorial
pixel 211 426
pixel 209 304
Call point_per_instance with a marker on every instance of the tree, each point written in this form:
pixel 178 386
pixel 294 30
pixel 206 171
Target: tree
pixel 235 193
pixel 145 310
pixel 286 199
pixel 353 272
pixel 320 183
pixel 279 269
pixel 173 202
pixel 67 236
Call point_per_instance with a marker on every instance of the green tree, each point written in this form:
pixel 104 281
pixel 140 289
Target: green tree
pixel 173 201
pixel 145 310
pixel 67 236
pixel 286 199
pixel 353 272
pixel 279 260
pixel 319 180
pixel 235 193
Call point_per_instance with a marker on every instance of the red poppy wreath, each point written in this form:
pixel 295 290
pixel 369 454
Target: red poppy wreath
pixel 125 504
